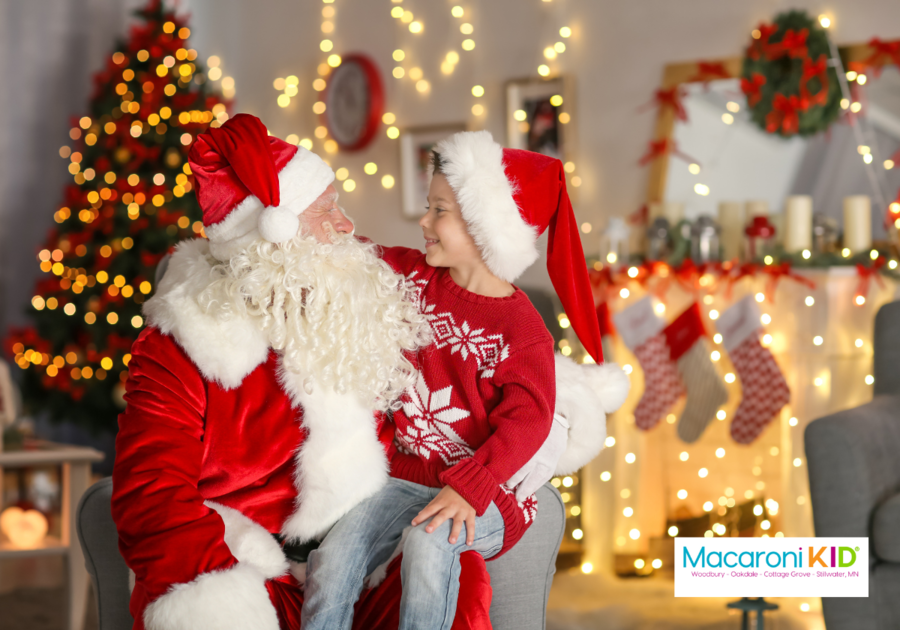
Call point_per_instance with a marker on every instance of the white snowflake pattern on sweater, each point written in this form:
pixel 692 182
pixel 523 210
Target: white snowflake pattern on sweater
pixel 488 350
pixel 430 427
pixel 528 506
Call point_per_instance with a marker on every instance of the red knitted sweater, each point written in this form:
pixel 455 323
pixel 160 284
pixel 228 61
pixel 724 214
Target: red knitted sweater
pixel 484 398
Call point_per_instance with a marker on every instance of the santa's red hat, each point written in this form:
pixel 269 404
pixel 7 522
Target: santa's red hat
pixel 252 185
pixel 508 197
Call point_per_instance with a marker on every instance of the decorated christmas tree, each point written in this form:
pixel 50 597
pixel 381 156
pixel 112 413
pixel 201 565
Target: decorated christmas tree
pixel 129 203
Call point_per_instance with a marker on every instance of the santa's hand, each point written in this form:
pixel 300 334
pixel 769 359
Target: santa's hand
pixel 539 469
pixel 448 504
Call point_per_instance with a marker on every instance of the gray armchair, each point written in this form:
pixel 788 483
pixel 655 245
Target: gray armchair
pixel 520 579
pixel 854 477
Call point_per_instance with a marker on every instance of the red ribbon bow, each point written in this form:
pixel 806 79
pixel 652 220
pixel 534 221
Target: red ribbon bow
pixel 815 70
pixel 658 148
pixel 752 88
pixel 867 273
pixel 669 98
pixel 709 70
pixel 883 52
pixel 792 44
pixel 761 44
pixel 777 272
pixel 785 114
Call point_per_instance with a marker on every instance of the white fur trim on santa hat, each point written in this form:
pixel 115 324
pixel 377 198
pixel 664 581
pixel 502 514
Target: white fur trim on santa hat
pixel 301 181
pixel 585 394
pixel 473 165
pixel 340 463
pixel 235 598
pixel 223 351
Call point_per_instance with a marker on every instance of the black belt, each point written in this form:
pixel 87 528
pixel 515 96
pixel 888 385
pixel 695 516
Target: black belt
pixel 296 552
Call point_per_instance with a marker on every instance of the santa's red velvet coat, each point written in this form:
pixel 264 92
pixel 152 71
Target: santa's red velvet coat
pixel 213 457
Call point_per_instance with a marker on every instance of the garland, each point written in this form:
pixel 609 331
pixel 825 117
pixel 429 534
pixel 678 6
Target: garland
pixel 657 277
pixel 791 89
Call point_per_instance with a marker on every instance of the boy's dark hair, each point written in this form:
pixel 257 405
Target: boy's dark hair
pixel 438 162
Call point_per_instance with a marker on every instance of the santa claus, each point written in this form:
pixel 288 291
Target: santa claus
pixel 257 396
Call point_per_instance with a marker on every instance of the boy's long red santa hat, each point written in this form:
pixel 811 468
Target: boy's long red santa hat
pixel 508 198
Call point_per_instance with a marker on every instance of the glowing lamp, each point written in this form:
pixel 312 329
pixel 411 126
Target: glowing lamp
pixel 25 529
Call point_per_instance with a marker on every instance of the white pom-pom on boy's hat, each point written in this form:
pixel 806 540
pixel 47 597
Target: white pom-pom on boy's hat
pixel 250 184
pixel 508 197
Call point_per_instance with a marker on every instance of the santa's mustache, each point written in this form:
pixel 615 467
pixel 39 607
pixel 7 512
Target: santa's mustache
pixel 337 312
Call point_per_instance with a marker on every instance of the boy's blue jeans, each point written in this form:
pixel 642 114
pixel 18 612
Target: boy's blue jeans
pixel 367 536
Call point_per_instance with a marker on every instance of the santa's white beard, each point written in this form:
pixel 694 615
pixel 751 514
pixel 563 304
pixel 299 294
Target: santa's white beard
pixel 338 313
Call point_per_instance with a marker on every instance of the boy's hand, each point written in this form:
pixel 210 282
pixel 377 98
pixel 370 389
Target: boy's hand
pixel 448 504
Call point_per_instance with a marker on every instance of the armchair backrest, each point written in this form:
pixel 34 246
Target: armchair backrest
pixel 887 349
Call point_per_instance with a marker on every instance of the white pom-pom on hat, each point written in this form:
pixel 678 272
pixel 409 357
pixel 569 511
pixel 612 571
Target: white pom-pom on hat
pixel 278 224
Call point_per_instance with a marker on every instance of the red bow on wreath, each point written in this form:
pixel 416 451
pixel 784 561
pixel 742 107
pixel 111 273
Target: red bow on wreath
pixel 884 52
pixel 669 98
pixel 760 44
pixel 785 114
pixel 815 70
pixel 793 45
pixel 752 88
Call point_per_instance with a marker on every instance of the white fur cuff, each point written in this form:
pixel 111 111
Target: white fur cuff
pixel 234 599
pixel 585 394
pixel 250 543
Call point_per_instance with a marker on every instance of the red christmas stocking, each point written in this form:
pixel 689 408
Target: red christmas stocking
pixel 689 348
pixel 642 332
pixel 764 388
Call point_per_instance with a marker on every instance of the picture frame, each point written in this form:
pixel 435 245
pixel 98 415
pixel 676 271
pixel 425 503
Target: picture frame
pixel 416 144
pixel 7 399
pixel 538 116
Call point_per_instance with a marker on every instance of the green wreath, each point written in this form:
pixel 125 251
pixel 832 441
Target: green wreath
pixel 790 86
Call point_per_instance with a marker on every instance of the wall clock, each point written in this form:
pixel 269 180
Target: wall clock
pixel 354 102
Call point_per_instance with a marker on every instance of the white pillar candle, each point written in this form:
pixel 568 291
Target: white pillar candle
pixel 857 223
pixel 757 208
pixel 731 219
pixel 798 224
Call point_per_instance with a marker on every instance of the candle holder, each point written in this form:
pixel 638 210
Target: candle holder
pixel 825 234
pixel 659 239
pixel 616 236
pixel 705 239
pixel 760 238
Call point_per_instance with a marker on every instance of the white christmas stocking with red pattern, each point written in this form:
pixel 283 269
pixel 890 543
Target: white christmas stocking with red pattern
pixel 689 348
pixel 764 388
pixel 642 331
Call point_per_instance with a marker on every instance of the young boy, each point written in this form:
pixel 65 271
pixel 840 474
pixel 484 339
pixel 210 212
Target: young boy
pixel 484 400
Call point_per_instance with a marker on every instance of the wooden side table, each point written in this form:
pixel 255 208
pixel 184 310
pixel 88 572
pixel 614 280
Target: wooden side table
pixel 75 462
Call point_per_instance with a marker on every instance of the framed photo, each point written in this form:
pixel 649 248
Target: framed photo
pixel 416 145
pixel 7 399
pixel 536 116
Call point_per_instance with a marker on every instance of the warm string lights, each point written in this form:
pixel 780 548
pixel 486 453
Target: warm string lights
pixel 415 74
pixel 289 89
pixel 127 205
pixel 733 509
